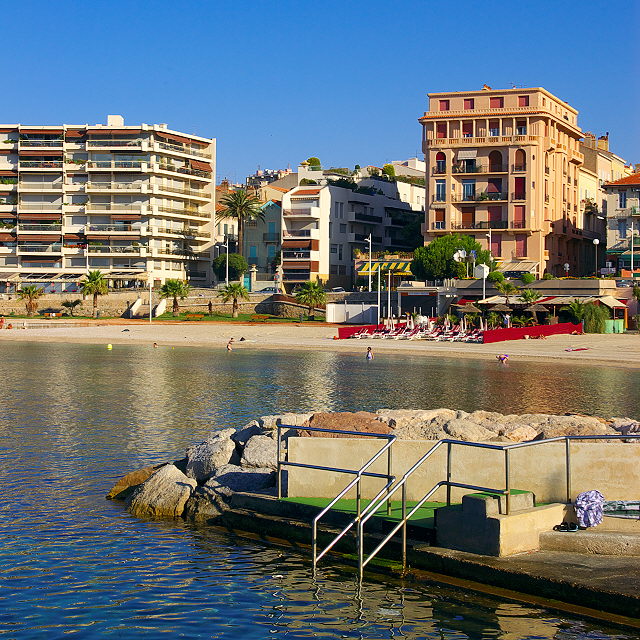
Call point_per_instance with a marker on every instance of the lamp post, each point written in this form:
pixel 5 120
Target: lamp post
pixel 632 243
pixel 596 242
pixel 226 273
pixel 150 297
pixel 369 241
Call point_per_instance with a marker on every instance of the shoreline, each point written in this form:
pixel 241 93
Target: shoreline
pixel 611 350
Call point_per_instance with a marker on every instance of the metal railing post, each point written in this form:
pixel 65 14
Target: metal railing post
pixel 314 544
pixel 360 550
pixel 389 465
pixel 506 480
pixel 404 528
pixel 448 474
pixel 358 496
pixel 279 470
pixel 567 462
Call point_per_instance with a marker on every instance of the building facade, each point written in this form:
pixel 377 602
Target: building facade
pixel 328 218
pixel 503 166
pixel 132 201
pixel 623 223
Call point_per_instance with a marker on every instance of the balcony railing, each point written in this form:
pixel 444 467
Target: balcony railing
pixel 438 171
pixel 296 274
pixel 40 164
pixel 518 196
pixel 185 211
pixel 114 143
pixel 42 206
pixel 40 186
pixel 197 275
pixel 179 149
pixel 439 225
pixel 517 168
pixel 40 143
pixel 439 197
pixel 95 206
pixel 296 255
pixel 185 170
pixel 116 186
pixel 39 248
pixel 271 237
pixel 112 227
pixel 298 212
pixel 189 192
pixel 116 164
pixel 52 228
pixel 94 248
pixel 300 233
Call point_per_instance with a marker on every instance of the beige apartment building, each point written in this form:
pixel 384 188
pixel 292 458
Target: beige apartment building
pixel 503 166
pixel 132 201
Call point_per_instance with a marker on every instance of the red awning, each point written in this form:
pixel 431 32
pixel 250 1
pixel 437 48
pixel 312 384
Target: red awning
pixel 201 166
pixel 8 130
pixel 297 264
pixel 7 237
pixel 13 174
pixel 73 236
pixel 296 244
pixel 54 237
pixel 119 132
pixel 74 134
pixel 40 216
pixel 41 152
pixel 41 131
pixel 125 216
pixel 41 259
pixel 4 152
pixel 173 137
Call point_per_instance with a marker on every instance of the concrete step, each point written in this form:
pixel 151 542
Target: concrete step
pixel 600 542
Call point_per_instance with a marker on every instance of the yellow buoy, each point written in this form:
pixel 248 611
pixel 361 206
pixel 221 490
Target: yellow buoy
pixel 109 347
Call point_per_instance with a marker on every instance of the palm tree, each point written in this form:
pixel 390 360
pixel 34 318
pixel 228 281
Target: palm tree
pixel 234 291
pixel 30 295
pixel 576 310
pixel 95 285
pixel 507 289
pixel 529 296
pixel 71 305
pixel 493 319
pixel 311 294
pixel 174 288
pixel 243 207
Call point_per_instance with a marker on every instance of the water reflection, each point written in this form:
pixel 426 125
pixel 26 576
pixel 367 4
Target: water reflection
pixel 74 418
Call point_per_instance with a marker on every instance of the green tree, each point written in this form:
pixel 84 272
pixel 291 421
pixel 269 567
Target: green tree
pixel 242 207
pixel 232 293
pixel 636 292
pixel 95 285
pixel 389 170
pixel 71 305
pixel 237 266
pixel 312 295
pixel 507 289
pixel 30 295
pixel 494 319
pixel 495 276
pixel 594 318
pixel 529 296
pixel 575 310
pixel 527 278
pixel 314 163
pixel 435 260
pixel 174 288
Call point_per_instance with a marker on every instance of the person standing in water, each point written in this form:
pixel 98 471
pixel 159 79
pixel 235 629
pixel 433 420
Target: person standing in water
pixel 229 348
pixel 369 355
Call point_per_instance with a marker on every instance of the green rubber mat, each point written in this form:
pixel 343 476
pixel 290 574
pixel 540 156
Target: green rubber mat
pixel 422 518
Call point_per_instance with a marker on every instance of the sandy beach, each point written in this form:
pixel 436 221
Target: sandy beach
pixel 618 350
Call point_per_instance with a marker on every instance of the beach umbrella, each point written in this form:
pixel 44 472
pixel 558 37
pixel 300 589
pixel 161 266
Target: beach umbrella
pixel 499 307
pixel 537 308
pixel 469 308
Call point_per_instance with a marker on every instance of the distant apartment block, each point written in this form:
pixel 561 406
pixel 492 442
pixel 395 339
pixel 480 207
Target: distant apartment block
pixel 504 167
pixel 132 201
pixel 623 222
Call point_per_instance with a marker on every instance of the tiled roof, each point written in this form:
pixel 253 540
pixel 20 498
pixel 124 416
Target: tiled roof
pixel 307 192
pixel 278 188
pixel 632 179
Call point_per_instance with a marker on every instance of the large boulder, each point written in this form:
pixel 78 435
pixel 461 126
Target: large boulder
pixel 490 420
pixel 204 504
pixel 574 426
pixel 242 435
pixel 626 426
pixel 360 421
pixel 464 429
pixel 260 452
pixel 164 494
pixel 217 450
pixel 127 485
pixel 518 433
pixel 242 479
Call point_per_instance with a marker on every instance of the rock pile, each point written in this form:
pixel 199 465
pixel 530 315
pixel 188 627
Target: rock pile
pixel 199 486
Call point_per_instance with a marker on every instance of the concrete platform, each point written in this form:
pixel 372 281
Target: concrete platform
pixel 596 541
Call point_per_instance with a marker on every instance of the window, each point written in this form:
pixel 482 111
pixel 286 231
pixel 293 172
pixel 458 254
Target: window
pixel 441 190
pixel 271 226
pixel 441 130
pixel 523 101
pixel 467 129
pixel 468 189
pixel 496 245
pixel 519 216
pixel 444 105
pixel 622 199
pixel 271 251
pixel 622 228
pixel 441 162
pixel 339 252
pixel 521 127
pixel 496 103
pixel 343 228
pixel 494 128
pixel 521 246
pixel 253 251
pixel 469 103
pixel 439 219
pixel 334 248
pixel 338 210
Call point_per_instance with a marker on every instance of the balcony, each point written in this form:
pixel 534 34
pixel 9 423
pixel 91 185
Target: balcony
pixel 198 193
pixel 294 234
pixel 439 197
pixel 360 237
pixel 438 171
pixel 312 212
pixel 43 207
pixel 296 275
pixel 39 248
pixel 95 248
pixel 576 157
pixel 41 186
pixel 197 173
pixel 103 209
pixel 116 186
pixel 114 143
pixel 271 237
pixel 354 216
pixel 492 141
pixel 49 228
pixel 521 168
pixel 41 164
pixel 116 164
pixel 440 225
pixel 296 255
pixel 518 196
pixel 47 144
pixel 124 228
pixel 175 148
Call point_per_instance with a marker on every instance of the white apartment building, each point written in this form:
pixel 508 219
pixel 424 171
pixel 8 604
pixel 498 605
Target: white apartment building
pixel 623 223
pixel 323 223
pixel 132 201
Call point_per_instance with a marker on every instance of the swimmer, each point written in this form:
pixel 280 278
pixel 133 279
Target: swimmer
pixel 369 355
pixel 503 358
pixel 155 345
pixel 229 348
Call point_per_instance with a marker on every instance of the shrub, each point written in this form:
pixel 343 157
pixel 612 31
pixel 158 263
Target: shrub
pixel 307 181
pixel 495 276
pixel 527 278
pixel 314 163
pixel 595 318
pixel 237 266
pixel 389 170
pixel 548 276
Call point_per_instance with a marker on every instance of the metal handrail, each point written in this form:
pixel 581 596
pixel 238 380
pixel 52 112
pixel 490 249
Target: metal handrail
pixel 359 473
pixel 373 508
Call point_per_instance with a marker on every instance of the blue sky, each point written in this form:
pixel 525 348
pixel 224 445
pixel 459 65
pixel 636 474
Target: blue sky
pixel 276 82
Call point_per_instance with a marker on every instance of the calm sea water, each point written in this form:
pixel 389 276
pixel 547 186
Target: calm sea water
pixel 75 418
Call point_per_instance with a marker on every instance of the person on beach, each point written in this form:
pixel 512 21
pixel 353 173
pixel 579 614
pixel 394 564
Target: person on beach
pixel 229 348
pixel 369 355
pixel 503 358
pixel 155 345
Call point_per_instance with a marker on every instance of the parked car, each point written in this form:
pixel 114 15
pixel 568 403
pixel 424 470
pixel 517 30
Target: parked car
pixel 337 290
pixel 269 290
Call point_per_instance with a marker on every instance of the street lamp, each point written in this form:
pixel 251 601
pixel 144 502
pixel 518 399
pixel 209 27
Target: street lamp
pixel 369 241
pixel 226 273
pixel 596 242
